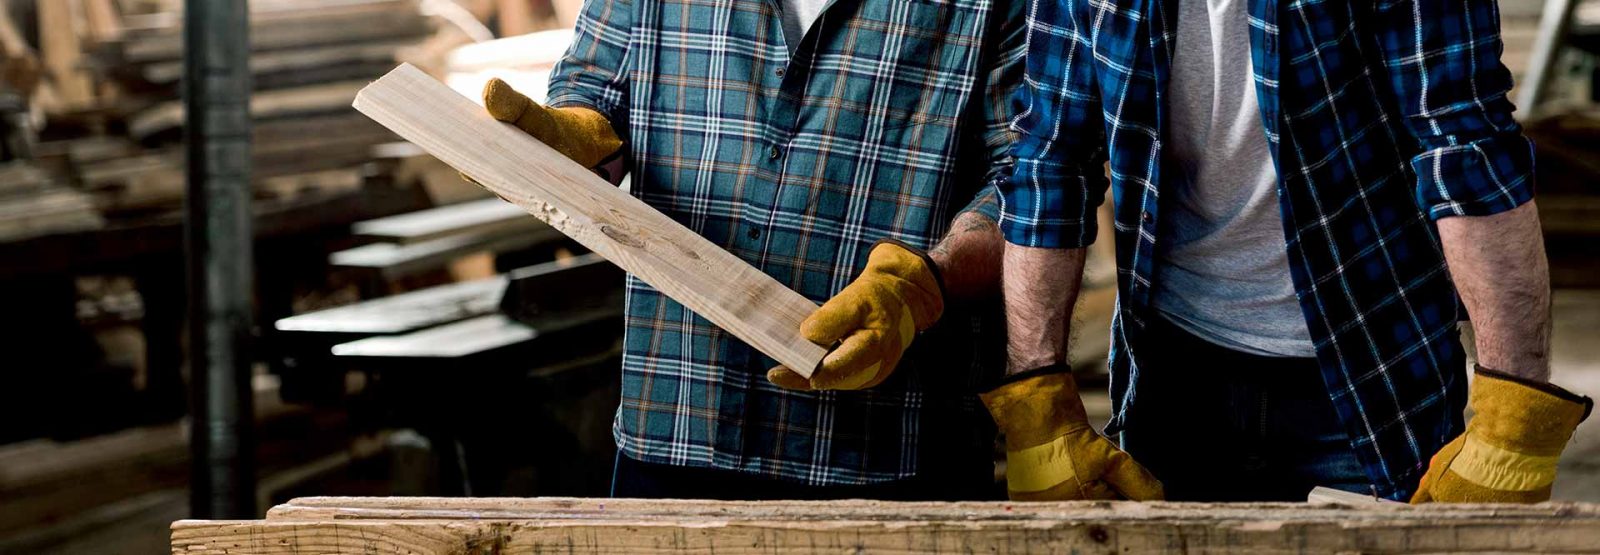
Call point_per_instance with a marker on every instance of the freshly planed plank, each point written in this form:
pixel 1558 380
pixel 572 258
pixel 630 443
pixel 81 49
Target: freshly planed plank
pixel 392 260
pixel 433 223
pixel 404 312
pixel 475 335
pixel 1324 495
pixel 682 264
pixel 62 51
pixel 421 525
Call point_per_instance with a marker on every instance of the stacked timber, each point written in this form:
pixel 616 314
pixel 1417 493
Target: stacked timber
pixel 32 204
pixel 567 525
pixel 114 118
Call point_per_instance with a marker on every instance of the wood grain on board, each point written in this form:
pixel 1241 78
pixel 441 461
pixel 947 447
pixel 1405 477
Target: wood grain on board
pixel 425 525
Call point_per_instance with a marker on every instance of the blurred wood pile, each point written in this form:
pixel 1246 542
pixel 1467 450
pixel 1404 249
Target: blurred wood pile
pixel 95 118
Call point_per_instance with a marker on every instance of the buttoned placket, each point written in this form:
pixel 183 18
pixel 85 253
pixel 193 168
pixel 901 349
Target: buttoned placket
pixel 781 115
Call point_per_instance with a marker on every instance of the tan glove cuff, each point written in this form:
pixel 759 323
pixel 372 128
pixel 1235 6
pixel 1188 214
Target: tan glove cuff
pixel 916 276
pixel 1036 410
pixel 1527 417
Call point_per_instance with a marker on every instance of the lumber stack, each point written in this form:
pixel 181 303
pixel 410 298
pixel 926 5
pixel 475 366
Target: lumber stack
pixel 110 94
pixel 32 204
pixel 567 525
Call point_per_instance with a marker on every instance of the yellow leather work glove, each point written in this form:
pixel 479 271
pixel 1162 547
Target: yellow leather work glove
pixel 1052 453
pixel 581 134
pixel 873 320
pixel 1510 449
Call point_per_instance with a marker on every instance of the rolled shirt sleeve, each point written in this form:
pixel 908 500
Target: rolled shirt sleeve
pixel 592 71
pixel 1050 198
pixel 993 111
pixel 1443 62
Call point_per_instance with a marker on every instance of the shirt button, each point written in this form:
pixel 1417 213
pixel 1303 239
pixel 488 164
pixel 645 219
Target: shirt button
pixel 1145 216
pixel 753 233
pixel 779 71
pixel 774 153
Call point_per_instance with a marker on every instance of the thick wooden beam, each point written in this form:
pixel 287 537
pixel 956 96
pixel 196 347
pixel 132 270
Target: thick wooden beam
pixel 63 53
pixel 682 264
pixel 423 526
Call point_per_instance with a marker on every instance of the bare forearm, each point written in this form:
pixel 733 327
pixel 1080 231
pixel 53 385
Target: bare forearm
pixel 1499 267
pixel 969 257
pixel 1040 285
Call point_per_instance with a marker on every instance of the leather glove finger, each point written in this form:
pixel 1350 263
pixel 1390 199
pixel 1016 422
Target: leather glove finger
pixel 783 377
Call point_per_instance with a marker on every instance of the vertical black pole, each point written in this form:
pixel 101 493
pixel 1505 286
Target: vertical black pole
pixel 216 94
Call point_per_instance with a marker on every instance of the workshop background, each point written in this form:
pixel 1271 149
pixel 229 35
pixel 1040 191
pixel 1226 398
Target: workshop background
pixel 409 333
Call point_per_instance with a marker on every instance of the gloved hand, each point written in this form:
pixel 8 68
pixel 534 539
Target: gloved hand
pixel 1052 453
pixel 873 319
pixel 581 134
pixel 1510 449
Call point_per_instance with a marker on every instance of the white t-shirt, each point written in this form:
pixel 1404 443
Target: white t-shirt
pixel 1221 268
pixel 797 16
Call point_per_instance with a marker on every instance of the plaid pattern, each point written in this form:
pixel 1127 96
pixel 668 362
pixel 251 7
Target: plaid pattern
pixel 798 166
pixel 1383 117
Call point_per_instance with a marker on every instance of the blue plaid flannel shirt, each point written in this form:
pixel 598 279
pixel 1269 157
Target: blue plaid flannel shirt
pixel 1383 117
pixel 890 118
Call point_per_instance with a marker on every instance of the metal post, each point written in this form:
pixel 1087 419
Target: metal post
pixel 217 225
pixel 1553 25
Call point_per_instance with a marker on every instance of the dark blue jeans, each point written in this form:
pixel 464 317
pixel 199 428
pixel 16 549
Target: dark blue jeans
pixel 1219 425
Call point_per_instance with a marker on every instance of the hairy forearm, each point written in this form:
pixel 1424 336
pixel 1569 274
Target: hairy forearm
pixel 1040 286
pixel 1499 267
pixel 969 257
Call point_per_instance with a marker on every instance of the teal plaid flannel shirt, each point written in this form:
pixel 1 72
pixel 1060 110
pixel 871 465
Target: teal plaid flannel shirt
pixel 889 119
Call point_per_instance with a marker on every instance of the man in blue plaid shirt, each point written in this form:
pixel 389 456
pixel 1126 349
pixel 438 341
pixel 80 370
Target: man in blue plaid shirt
pixel 827 147
pixel 1306 193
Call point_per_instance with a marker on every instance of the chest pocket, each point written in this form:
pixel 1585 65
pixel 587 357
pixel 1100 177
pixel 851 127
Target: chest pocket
pixel 911 63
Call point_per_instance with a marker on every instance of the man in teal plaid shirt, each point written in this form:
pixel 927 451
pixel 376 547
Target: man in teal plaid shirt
pixel 829 148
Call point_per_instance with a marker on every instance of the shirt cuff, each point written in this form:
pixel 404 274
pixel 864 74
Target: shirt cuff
pixel 986 204
pixel 564 99
pixel 1480 178
pixel 1061 217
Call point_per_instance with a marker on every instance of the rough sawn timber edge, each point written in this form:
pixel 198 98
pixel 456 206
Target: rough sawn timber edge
pixel 680 263
pixel 425 526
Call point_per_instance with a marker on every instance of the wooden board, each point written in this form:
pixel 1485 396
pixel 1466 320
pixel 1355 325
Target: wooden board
pixel 1322 494
pixel 326 98
pixel 475 336
pixel 103 21
pixel 417 525
pixel 300 27
pixel 396 260
pixel 296 60
pixel 19 63
pixel 685 266
pixel 433 223
pixel 516 17
pixel 62 51
pixel 404 312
